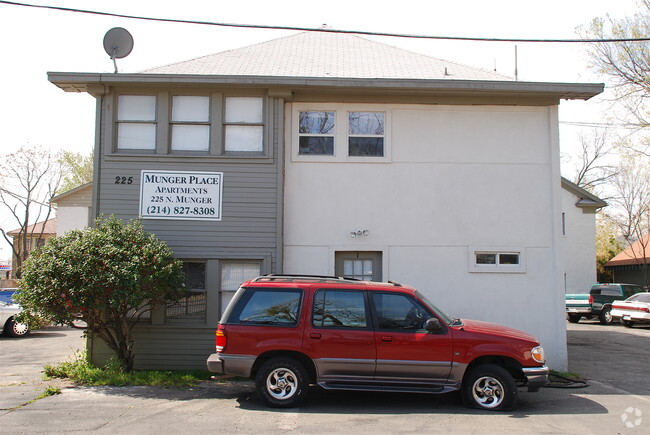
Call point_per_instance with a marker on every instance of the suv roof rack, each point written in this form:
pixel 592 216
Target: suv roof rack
pixel 303 277
pixel 312 278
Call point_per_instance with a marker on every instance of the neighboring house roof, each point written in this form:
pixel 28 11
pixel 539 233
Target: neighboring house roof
pixel 35 229
pixel 329 61
pixel 634 254
pixel 587 201
pixel 323 54
pixel 80 195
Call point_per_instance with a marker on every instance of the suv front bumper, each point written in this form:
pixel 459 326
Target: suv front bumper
pixel 536 377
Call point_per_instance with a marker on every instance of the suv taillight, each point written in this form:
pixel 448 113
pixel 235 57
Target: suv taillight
pixel 221 339
pixel 591 299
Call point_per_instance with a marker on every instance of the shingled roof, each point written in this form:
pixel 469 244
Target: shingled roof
pixel 326 55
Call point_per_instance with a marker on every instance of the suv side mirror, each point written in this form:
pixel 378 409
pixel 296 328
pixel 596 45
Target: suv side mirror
pixel 432 324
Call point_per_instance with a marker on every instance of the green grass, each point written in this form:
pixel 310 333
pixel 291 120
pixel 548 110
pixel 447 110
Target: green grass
pixel 570 375
pixel 82 371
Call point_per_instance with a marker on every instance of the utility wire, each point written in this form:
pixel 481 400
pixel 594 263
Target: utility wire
pixel 324 30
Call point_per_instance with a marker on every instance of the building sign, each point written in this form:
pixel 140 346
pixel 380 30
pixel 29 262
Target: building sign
pixel 181 195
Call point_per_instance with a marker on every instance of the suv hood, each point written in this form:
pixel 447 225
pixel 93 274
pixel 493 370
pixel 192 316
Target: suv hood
pixel 479 327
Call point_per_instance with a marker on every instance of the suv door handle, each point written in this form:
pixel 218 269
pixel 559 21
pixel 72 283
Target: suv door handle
pixel 386 338
pixel 314 335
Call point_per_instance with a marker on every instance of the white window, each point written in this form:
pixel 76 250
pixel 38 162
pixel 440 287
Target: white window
pixel 232 275
pixel 316 132
pixel 244 124
pixel 366 134
pixel 190 123
pixel 136 122
pixel 339 132
pixel 496 260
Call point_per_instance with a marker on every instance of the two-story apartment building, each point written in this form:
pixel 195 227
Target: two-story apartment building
pixel 328 153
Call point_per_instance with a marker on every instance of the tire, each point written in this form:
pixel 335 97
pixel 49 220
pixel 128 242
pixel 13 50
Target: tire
pixel 605 316
pixel 574 318
pixel 627 323
pixel 489 387
pixel 282 382
pixel 15 329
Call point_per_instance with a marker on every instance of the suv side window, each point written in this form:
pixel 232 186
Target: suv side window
pixel 339 309
pixel 260 306
pixel 399 312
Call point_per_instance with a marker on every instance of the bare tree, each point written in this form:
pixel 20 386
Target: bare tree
pixel 631 209
pixel 625 64
pixel 593 169
pixel 29 178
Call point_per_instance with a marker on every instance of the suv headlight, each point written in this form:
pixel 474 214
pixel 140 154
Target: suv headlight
pixel 538 354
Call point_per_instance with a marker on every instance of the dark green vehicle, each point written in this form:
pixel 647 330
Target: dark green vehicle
pixel 598 302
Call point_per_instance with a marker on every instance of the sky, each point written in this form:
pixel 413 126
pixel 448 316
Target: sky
pixel 35 41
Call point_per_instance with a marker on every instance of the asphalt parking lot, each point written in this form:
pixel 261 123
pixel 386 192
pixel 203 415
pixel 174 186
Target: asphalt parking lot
pixel 613 359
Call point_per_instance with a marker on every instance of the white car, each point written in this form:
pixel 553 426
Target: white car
pixel 8 325
pixel 635 309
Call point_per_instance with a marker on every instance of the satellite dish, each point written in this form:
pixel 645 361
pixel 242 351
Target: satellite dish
pixel 118 44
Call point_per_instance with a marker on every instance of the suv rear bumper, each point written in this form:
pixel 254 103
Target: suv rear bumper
pixel 237 365
pixel 536 377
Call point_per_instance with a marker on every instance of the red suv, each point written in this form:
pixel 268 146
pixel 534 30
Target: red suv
pixel 288 332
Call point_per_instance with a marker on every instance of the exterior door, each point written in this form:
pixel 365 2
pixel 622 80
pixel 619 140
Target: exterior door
pixel 339 336
pixel 363 265
pixel 406 352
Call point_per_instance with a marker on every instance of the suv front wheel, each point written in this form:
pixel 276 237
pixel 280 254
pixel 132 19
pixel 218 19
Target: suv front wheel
pixel 489 387
pixel 282 382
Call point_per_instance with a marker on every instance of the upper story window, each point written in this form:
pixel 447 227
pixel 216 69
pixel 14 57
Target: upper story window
pixel 366 134
pixel 209 125
pixel 316 133
pixel 338 132
pixel 244 124
pixel 136 122
pixel 190 123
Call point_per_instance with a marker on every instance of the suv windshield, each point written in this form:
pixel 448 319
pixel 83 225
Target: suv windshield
pixel 444 317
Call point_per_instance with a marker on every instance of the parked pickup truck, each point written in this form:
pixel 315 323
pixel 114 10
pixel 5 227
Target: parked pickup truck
pixel 598 302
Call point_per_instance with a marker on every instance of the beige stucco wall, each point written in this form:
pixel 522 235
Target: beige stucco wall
pixel 578 246
pixel 454 177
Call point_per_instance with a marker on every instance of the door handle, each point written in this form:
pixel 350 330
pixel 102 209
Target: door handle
pixel 314 335
pixel 386 338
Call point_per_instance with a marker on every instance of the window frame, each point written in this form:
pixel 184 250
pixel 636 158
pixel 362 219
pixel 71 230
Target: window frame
pixel 220 291
pixel 164 125
pixel 173 123
pixel 341 132
pixel 497 267
pixel 117 122
pixel 225 124
pixel 189 319
pixel 375 136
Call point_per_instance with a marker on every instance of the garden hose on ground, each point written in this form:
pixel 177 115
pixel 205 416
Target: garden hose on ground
pixel 558 381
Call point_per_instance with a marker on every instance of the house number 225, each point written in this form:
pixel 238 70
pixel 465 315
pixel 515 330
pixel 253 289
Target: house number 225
pixel 123 180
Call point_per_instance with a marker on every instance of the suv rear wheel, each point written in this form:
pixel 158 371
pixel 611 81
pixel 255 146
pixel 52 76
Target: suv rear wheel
pixel 282 382
pixel 489 387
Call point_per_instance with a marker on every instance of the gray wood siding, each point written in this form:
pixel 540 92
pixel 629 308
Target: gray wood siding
pixel 163 348
pixel 250 229
pixel 251 188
